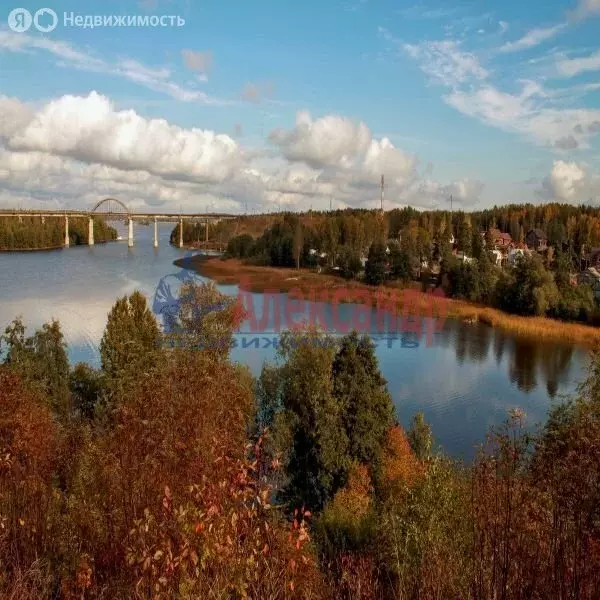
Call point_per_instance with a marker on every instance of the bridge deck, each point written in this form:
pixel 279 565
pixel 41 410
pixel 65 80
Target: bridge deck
pixel 117 216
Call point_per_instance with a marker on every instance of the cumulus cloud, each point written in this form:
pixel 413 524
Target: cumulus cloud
pixel 89 129
pixel 533 38
pixel 328 141
pixel 75 150
pixel 571 182
pixel 445 62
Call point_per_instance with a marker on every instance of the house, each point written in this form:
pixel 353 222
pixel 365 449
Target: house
pixel 498 257
pixel 501 240
pixel 591 277
pixel 592 258
pixel 537 240
pixel 460 255
pixel 515 254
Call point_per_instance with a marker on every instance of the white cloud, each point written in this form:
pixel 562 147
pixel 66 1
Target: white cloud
pixel 75 150
pixel 446 62
pixel 158 80
pixel 586 8
pixel 89 129
pixel 571 182
pixel 575 66
pixel 330 140
pixel 533 38
pixel 525 113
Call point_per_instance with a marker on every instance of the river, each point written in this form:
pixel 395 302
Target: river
pixel 465 381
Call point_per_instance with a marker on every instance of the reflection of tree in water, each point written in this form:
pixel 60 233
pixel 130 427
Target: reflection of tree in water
pixel 471 342
pixel 522 366
pixel 499 343
pixel 553 362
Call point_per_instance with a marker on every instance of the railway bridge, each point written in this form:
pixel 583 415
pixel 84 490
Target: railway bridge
pixel 112 209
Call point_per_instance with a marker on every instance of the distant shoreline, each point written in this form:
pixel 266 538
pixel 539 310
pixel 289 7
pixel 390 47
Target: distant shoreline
pixel 261 279
pixel 49 248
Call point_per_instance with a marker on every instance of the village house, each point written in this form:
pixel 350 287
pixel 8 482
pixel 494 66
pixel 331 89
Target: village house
pixel 516 252
pixel 592 258
pixel 591 277
pixel 498 257
pixel 501 240
pixel 537 240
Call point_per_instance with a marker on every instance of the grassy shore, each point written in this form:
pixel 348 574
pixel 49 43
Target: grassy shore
pixel 260 279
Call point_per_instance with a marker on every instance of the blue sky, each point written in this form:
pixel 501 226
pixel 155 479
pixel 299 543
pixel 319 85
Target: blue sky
pixel 265 104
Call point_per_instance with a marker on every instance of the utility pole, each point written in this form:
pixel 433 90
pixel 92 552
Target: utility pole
pixel 382 186
pixel 330 200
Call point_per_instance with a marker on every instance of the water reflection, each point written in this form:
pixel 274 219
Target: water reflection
pixel 530 363
pixel 465 381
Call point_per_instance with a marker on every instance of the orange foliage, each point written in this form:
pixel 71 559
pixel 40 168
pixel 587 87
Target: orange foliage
pixel 355 498
pixel 400 467
pixel 28 453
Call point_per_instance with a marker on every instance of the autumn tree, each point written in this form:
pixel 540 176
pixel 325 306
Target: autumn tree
pixel 206 319
pixel 40 359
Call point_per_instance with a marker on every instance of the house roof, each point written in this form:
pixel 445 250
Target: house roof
pixel 538 233
pixel 497 234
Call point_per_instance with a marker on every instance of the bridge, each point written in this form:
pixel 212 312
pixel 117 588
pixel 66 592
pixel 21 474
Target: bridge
pixel 111 209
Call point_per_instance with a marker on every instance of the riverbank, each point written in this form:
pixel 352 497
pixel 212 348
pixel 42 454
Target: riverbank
pixel 47 249
pixel 50 248
pixel 259 279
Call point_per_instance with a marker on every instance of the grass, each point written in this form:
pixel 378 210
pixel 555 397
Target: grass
pixel 274 279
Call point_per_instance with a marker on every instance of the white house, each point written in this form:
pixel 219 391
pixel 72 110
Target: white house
pixel 515 254
pixel 463 257
pixel 498 257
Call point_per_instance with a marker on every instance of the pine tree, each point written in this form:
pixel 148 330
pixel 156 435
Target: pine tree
pixel 131 341
pixel 361 391
pixel 376 264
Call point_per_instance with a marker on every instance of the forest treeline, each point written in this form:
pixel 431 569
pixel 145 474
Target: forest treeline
pixel 29 233
pixel 407 246
pixel 170 472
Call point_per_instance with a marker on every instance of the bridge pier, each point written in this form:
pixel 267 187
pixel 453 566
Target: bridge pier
pixel 130 238
pixel 181 233
pixel 67 240
pixel 91 232
pixel 155 233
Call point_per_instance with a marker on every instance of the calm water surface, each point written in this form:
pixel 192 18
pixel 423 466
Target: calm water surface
pixel 464 382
